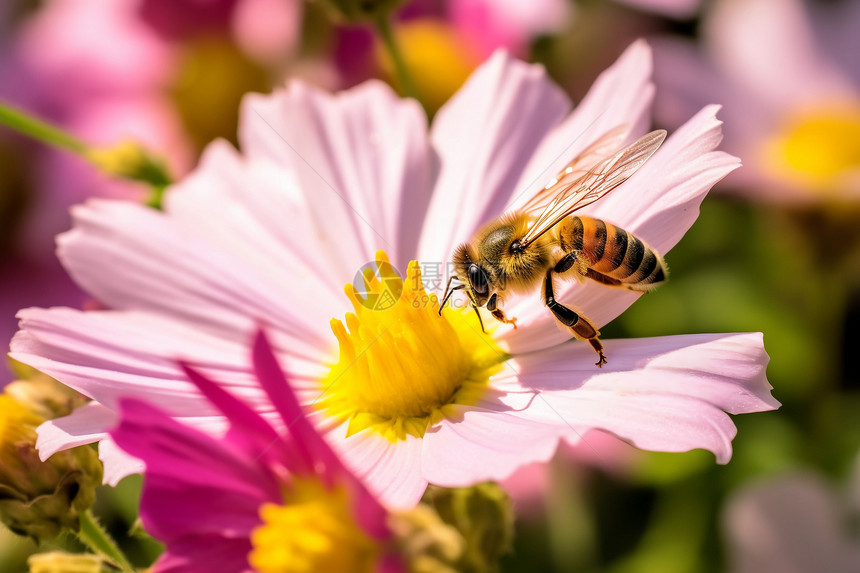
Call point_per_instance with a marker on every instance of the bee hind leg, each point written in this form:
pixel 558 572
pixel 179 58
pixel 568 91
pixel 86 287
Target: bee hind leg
pixel 498 314
pixel 580 326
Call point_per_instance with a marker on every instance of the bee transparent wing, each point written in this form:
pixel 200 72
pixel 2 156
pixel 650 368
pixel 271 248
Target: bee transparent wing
pixel 595 183
pixel 606 144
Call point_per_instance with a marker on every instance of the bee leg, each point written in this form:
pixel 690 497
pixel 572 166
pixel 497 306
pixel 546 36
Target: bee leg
pixel 572 259
pixel 480 321
pixel 579 325
pixel 498 314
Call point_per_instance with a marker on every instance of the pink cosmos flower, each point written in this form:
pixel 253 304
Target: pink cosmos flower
pixel 261 498
pixel 787 73
pixel 406 397
pixel 796 521
pixel 492 24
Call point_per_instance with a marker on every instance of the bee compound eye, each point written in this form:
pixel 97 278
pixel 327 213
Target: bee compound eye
pixel 478 279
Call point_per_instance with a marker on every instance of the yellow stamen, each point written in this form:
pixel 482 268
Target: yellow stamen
pixel 818 147
pixel 402 366
pixel 314 530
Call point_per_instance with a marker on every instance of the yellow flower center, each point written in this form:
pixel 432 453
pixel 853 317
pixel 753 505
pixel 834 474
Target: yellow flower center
pixel 402 367
pixel 819 146
pixel 17 422
pixel 314 530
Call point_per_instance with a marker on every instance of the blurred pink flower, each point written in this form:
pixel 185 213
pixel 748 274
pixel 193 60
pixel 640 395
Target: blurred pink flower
pixel 791 523
pixel 269 235
pixel 266 30
pixel 787 73
pixel 493 24
pixel 680 9
pixel 94 70
pixel 256 497
pixel 474 30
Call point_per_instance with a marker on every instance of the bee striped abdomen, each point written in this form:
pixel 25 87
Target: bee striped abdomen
pixel 613 256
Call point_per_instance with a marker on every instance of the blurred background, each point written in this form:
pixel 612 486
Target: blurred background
pixel 776 248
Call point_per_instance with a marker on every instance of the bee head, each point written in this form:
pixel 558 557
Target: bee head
pixel 477 280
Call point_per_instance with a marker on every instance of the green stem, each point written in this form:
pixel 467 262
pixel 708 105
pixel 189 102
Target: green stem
pixel 94 536
pixel 383 24
pixel 38 129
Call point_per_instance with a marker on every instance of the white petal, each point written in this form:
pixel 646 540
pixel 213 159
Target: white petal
pixel 361 157
pixel 621 95
pixel 390 470
pixel 117 463
pixel 664 394
pixel 86 425
pixel 108 355
pixel 484 137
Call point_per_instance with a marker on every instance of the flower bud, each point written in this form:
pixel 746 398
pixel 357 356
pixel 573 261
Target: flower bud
pixel 456 530
pixel 61 562
pixel 129 160
pixel 40 499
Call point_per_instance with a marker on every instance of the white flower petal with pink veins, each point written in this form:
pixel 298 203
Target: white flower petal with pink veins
pixel 668 394
pixel 267 237
pixel 361 158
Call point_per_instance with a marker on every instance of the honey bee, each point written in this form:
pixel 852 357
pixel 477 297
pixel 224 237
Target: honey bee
pixel 529 246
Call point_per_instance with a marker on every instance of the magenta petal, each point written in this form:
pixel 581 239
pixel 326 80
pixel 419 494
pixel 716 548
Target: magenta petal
pixel 248 430
pixel 307 446
pixel 194 484
pixel 205 554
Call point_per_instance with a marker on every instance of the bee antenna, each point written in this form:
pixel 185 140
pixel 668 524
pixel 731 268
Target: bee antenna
pixel 448 292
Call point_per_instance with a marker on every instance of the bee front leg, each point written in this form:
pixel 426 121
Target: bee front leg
pixel 498 314
pixel 580 326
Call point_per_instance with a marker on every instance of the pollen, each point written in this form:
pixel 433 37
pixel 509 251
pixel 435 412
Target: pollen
pixel 402 367
pixel 314 530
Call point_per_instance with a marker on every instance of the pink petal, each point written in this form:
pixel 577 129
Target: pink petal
pixel 214 204
pixel 491 24
pixel 792 522
pixel 107 355
pixel 621 95
pixel 118 465
pixel 768 48
pixel 157 266
pixel 663 394
pixel 658 204
pixel 484 137
pixel 390 470
pixel 194 484
pixel 361 157
pixel 485 444
pixel 86 425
